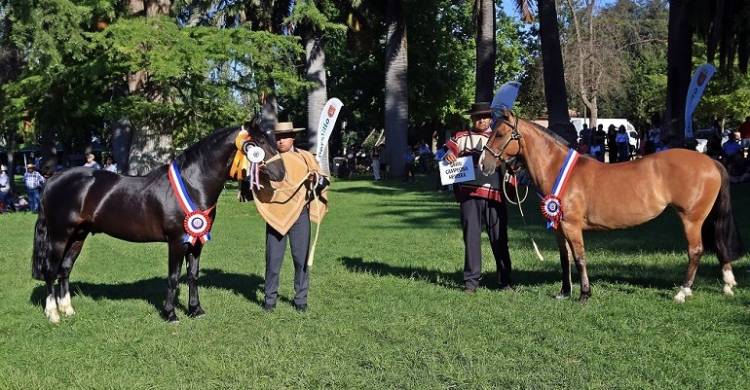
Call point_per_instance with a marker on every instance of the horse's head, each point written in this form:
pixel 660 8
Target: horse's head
pixel 272 164
pixel 503 145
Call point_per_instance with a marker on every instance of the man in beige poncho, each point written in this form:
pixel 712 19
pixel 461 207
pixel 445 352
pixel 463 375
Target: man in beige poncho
pixel 288 206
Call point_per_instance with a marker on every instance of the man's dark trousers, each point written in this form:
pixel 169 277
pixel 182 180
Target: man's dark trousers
pixel 474 213
pixel 299 235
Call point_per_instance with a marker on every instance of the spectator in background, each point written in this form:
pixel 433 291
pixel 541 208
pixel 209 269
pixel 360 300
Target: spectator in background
pixel 91 162
pixel 597 143
pixel 34 182
pixel 584 143
pixel 409 159
pixel 110 165
pixel 611 144
pixel 732 147
pixel 5 198
pixel 745 133
pixel 623 144
pixel 375 157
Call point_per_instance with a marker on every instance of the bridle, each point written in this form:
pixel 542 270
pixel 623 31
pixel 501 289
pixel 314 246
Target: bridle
pixel 514 136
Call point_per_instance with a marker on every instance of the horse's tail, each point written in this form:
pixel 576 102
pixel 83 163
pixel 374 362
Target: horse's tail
pixel 41 246
pixel 720 228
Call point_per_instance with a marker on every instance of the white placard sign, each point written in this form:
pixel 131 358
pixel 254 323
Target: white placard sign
pixel 460 171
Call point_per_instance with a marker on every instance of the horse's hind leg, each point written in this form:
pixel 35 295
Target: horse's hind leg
pixel 565 255
pixel 193 259
pixel 53 264
pixel 75 245
pixel 695 251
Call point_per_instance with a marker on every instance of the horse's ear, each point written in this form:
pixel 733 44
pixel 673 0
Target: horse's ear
pixel 506 112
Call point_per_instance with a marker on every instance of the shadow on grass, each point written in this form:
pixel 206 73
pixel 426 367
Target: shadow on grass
pixel 657 277
pixel 153 290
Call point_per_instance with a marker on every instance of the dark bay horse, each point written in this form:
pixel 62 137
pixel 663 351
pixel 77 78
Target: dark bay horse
pixel 602 196
pixel 79 201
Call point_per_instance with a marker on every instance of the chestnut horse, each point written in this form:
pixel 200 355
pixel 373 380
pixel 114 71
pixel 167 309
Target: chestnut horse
pixel 602 196
pixel 79 201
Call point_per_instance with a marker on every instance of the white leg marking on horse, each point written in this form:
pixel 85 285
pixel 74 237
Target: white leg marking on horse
pixel 682 294
pixel 50 309
pixel 729 281
pixel 65 307
pixel 729 277
pixel 481 158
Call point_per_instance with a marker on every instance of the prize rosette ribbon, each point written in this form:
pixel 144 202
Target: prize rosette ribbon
pixel 197 225
pixel 552 210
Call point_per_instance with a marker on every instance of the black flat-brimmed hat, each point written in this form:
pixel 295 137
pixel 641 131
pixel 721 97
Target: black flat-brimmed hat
pixel 480 108
pixel 286 128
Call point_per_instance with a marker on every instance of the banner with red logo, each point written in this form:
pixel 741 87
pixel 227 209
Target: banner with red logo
pixel 325 128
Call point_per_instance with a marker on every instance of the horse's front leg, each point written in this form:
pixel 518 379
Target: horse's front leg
pixel 565 255
pixel 574 237
pixel 177 251
pixel 193 260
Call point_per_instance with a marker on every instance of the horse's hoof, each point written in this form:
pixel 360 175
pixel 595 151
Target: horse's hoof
pixel 728 290
pixel 195 312
pixel 583 298
pixel 562 296
pixel 682 294
pixel 53 316
pixel 68 311
pixel 170 317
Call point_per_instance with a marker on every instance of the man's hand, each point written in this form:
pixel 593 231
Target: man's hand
pixel 450 157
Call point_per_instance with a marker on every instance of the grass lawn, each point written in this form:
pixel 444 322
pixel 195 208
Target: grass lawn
pixel 386 308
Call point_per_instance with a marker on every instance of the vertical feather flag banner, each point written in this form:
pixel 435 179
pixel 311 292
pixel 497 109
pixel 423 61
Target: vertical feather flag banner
pixel 698 84
pixel 325 127
pixel 504 98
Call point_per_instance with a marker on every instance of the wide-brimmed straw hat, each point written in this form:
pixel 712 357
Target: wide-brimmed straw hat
pixel 3 168
pixel 480 108
pixel 30 166
pixel 286 127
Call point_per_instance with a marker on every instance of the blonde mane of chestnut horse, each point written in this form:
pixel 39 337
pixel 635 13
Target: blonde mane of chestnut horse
pixel 602 196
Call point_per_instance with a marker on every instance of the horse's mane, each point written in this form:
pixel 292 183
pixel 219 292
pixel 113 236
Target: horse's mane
pixel 549 133
pixel 205 145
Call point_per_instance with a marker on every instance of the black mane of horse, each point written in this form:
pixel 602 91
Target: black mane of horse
pixel 79 201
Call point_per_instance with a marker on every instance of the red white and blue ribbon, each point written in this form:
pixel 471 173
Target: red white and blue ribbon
pixel 197 223
pixel 551 204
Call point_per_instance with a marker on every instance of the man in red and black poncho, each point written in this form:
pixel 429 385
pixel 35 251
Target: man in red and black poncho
pixel 481 202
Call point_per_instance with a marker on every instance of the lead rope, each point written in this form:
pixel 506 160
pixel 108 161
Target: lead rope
pixel 519 203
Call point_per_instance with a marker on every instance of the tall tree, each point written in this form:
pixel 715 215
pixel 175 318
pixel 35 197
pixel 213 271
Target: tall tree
pixel 679 66
pixel 484 14
pixel 596 57
pixel 150 145
pixel 555 92
pixel 396 88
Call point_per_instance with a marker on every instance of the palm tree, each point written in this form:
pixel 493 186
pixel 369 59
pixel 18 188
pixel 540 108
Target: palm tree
pixel 396 92
pixel 555 92
pixel 484 15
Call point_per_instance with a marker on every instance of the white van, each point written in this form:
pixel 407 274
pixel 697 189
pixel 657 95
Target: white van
pixel 605 122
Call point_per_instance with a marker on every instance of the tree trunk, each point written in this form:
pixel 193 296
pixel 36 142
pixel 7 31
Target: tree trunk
pixel 486 49
pixel 396 91
pixel 317 96
pixel 148 146
pixel 679 66
pixel 149 149
pixel 555 92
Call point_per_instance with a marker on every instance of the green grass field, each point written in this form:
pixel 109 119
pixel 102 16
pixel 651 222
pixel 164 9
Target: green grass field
pixel 386 308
